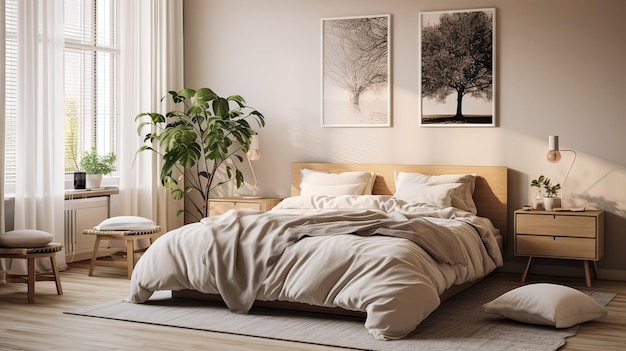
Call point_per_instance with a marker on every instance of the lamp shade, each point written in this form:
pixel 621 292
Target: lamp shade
pixel 553 155
pixel 253 151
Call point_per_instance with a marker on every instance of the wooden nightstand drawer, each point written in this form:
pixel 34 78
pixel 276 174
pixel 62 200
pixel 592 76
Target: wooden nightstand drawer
pixel 556 247
pixel 219 206
pixel 216 208
pixel 556 225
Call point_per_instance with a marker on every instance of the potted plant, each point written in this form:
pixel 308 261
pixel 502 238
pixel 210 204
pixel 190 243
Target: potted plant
pixel 551 199
pixel 96 165
pixel 206 133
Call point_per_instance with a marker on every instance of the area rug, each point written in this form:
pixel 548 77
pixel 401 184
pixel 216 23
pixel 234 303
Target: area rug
pixel 458 324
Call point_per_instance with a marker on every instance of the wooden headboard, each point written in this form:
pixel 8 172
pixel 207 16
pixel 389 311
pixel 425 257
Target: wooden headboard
pixel 490 194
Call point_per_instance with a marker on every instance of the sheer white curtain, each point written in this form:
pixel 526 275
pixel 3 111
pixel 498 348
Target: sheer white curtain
pixel 151 65
pixel 39 190
pixel 2 129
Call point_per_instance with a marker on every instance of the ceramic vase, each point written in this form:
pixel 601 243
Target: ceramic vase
pixel 538 201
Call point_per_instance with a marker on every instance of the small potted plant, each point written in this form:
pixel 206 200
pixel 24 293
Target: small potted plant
pixel 96 165
pixel 551 199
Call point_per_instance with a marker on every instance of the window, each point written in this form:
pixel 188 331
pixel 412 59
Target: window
pixel 91 61
pixel 90 79
pixel 10 95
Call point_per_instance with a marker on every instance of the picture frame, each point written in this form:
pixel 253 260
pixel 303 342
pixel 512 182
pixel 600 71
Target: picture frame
pixel 457 92
pixel 355 71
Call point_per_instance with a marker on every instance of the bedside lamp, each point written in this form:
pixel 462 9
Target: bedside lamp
pixel 253 154
pixel 554 156
pixel 253 151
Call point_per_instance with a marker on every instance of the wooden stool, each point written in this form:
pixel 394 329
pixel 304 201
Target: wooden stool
pixel 129 236
pixel 31 254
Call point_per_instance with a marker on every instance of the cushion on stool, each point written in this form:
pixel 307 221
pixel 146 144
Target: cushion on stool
pixel 125 223
pixel 25 238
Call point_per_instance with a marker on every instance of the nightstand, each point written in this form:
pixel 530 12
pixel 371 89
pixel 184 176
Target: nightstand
pixel 563 234
pixel 217 206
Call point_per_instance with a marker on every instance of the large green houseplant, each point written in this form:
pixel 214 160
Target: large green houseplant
pixel 206 133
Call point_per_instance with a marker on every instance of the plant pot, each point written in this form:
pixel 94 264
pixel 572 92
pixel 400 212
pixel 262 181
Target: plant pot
pixel 94 181
pixel 79 180
pixel 550 203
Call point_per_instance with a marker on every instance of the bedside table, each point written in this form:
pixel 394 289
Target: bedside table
pixel 567 235
pixel 217 206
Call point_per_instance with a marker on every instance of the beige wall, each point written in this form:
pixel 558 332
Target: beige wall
pixel 561 70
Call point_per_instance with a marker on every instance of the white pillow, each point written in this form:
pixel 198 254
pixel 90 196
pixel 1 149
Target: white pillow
pixel 546 304
pixel 461 196
pixel 307 189
pixel 125 223
pixel 438 195
pixel 366 179
pixel 28 238
pixel 352 202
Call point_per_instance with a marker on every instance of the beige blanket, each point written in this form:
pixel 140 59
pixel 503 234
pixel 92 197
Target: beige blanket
pixel 437 240
pixel 249 243
pixel 303 257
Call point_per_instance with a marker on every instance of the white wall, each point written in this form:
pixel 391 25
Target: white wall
pixel 560 70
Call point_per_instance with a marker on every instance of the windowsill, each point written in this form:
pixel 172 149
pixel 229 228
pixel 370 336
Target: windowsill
pixel 109 187
pixel 86 193
pixel 107 181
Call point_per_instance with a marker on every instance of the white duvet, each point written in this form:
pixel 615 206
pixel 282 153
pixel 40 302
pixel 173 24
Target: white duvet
pixel 301 252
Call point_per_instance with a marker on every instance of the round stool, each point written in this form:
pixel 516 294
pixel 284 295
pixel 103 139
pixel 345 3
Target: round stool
pixel 30 254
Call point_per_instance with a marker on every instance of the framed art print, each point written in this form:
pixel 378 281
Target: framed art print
pixel 457 68
pixel 356 71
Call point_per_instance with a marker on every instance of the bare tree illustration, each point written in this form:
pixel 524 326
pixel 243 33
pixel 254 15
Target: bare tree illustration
pixel 457 58
pixel 355 54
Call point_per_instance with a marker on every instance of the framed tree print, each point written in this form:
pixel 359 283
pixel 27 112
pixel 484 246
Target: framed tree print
pixel 457 68
pixel 355 71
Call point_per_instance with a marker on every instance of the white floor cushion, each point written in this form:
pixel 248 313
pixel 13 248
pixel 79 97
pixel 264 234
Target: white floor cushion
pixel 546 304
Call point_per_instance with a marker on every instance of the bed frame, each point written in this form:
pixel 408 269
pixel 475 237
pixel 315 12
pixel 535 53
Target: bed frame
pixel 490 196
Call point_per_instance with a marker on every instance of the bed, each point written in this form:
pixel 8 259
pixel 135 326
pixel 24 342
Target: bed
pixel 386 242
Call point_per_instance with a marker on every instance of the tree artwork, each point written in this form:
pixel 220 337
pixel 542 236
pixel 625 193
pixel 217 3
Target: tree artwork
pixel 457 62
pixel 355 61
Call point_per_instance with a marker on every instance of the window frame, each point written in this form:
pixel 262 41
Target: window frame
pixel 92 123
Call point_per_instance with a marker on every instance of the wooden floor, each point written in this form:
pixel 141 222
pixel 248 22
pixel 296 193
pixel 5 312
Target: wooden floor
pixel 43 326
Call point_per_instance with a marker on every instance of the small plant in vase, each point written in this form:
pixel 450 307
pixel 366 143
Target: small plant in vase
pixel 96 165
pixel 538 199
pixel 551 199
